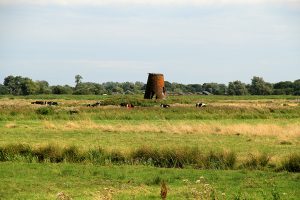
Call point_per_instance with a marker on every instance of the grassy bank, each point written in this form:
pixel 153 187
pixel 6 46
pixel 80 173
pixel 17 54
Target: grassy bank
pixel 47 181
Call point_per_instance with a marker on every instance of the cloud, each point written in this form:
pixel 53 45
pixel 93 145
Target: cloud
pixel 143 2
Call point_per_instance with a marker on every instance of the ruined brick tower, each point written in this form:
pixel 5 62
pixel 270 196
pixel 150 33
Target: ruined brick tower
pixel 155 87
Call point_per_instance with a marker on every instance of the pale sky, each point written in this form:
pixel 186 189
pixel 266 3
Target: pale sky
pixel 189 41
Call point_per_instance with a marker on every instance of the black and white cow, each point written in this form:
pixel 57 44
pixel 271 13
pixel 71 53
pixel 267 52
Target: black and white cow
pixel 200 104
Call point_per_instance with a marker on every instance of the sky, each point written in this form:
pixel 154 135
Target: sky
pixel 189 41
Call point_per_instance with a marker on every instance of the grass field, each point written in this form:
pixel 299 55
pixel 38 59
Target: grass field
pixel 235 148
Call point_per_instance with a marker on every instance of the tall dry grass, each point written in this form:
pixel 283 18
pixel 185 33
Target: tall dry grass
pixel 282 131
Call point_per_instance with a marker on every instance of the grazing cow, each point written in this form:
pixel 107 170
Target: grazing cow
pixel 200 104
pixel 52 103
pixel 39 102
pixel 127 105
pixel 165 105
pixel 72 112
pixel 94 104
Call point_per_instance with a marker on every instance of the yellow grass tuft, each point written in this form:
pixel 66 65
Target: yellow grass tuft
pixel 49 125
pixel 11 125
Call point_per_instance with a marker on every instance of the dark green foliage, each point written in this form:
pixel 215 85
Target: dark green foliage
pixel 116 157
pixel 58 89
pixel 219 160
pixel 257 161
pixel 167 158
pixel 237 88
pixel 25 86
pixel 20 86
pixel 50 153
pixel 45 110
pixel 260 87
pixel 72 154
pixel 3 90
pixel 292 163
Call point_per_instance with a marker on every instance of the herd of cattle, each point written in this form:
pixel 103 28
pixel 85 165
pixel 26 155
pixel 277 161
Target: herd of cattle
pixel 127 105
pixel 50 103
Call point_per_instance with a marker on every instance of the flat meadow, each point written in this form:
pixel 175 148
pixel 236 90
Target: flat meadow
pixel 237 147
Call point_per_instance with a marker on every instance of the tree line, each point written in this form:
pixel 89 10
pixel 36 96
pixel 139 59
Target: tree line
pixel 18 85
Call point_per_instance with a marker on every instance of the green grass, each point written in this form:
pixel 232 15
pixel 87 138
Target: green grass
pixel 260 130
pixel 45 181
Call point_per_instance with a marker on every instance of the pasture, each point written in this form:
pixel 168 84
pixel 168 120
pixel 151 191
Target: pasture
pixel 244 147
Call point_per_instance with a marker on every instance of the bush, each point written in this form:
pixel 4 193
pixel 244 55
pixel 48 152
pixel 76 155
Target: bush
pixel 45 111
pixel 220 160
pixel 292 163
pixel 50 152
pixel 256 161
pixel 96 156
pixel 72 154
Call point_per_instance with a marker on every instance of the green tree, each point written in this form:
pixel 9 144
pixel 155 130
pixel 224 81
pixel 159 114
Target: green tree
pixel 43 87
pixel 28 86
pixel 13 84
pixel 237 88
pixel 296 86
pixel 284 87
pixel 58 89
pixel 3 90
pixel 20 86
pixel 215 88
pixel 78 79
pixel 260 87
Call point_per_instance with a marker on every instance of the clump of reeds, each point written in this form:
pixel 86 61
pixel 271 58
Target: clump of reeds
pixel 291 163
pixel 145 155
pixel 256 161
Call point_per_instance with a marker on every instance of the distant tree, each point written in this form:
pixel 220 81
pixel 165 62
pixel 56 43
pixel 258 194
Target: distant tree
pixel 58 89
pixel 168 86
pixel 78 79
pixel 28 86
pixel 43 87
pixel 260 87
pixel 237 88
pixel 128 86
pixel 20 86
pixel 3 90
pixel 13 84
pixel 89 88
pixel 139 87
pixel 296 86
pixel 194 88
pixel 215 88
pixel 284 87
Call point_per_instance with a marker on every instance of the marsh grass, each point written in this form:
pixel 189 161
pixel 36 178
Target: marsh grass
pixel 291 163
pixel 158 157
pixel 257 161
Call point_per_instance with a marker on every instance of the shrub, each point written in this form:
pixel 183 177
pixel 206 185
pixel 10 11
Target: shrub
pixel 45 111
pixel 220 160
pixel 256 161
pixel 50 152
pixel 9 152
pixel 96 156
pixel 116 157
pixel 292 163
pixel 72 154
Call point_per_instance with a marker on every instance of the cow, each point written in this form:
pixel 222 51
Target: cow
pixel 94 104
pixel 52 103
pixel 39 102
pixel 165 105
pixel 200 104
pixel 127 105
pixel 72 112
